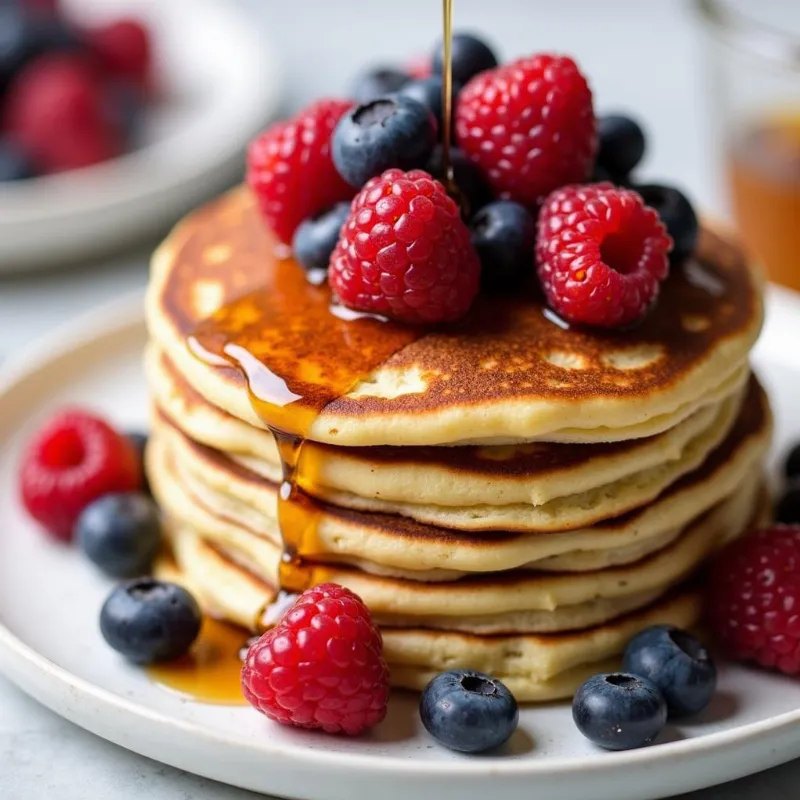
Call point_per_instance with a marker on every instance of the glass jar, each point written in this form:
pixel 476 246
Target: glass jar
pixel 753 50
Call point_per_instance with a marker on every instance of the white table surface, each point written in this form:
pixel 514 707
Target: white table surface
pixel 645 57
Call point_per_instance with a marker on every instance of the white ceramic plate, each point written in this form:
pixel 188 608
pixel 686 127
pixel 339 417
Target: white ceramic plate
pixel 221 84
pixel 51 647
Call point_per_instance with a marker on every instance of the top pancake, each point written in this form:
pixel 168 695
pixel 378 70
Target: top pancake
pixel 507 373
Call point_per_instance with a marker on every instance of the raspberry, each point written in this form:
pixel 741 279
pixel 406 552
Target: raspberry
pixel 602 254
pixel 57 110
pixel 322 666
pixel 290 170
pixel 124 50
pixel 404 251
pixel 753 601
pixel 72 461
pixel 529 126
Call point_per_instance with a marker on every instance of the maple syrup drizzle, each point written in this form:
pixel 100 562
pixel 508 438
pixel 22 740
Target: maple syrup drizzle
pixel 211 671
pixel 296 354
pixel 447 96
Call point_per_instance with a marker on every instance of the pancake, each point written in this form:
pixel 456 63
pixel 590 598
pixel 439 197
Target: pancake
pixel 536 667
pixel 533 473
pixel 221 500
pixel 508 602
pixel 507 371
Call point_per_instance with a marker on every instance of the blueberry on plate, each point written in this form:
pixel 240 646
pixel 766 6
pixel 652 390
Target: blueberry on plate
pixel 622 144
pixel 787 511
pixel 469 179
pixel 127 106
pixel 149 620
pixel 120 533
pixel 377 82
pixel 316 237
pixel 504 234
pixel 677 664
pixel 428 91
pixel 394 131
pixel 470 55
pixel 14 164
pixel 18 40
pixel 677 214
pixel 792 466
pixel 468 711
pixel 619 711
pixel 139 440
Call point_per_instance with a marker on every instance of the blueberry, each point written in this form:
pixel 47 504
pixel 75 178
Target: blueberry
pixel 792 466
pixel 428 91
pixel 376 83
pixel 468 711
pixel 469 179
pixel 391 132
pixel 24 35
pixel 126 104
pixel 316 237
pixel 619 711
pixel 120 533
pixel 677 664
pixel 787 512
pixel 621 144
pixel 677 214
pixel 470 55
pixel 504 234
pixel 18 40
pixel 148 620
pixel 14 164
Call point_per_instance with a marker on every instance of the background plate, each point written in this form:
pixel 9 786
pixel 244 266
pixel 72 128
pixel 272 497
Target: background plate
pixel 221 84
pixel 50 645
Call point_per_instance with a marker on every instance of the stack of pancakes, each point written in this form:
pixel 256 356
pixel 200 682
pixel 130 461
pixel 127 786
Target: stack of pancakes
pixel 511 495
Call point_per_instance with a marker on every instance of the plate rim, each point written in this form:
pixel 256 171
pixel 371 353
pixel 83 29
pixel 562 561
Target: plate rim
pixel 126 314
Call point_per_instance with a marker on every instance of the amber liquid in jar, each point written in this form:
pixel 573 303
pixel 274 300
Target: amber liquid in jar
pixel 764 176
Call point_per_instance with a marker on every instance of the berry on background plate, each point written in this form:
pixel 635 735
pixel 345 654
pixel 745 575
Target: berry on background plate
pixel 120 533
pixel 677 664
pixel 405 252
pixel 619 711
pixel 14 163
pixel 393 131
pixel 601 254
pixel 290 170
pixel 753 598
pixel 58 111
pixel 468 711
pixel 73 460
pixel 529 125
pixel 124 50
pixel 148 621
pixel 322 666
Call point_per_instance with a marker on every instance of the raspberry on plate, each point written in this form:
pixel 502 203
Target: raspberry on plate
pixel 322 666
pixel 57 110
pixel 529 125
pixel 405 252
pixel 753 600
pixel 124 50
pixel 290 170
pixel 72 461
pixel 601 254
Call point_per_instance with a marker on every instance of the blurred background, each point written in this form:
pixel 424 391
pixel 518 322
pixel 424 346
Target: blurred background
pixel 716 86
